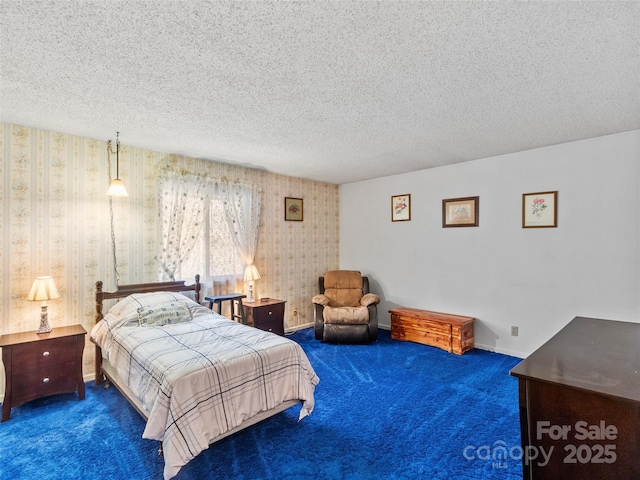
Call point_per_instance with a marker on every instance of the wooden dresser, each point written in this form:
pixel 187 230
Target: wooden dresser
pixel 38 365
pixel 579 398
pixel 453 333
pixel 268 316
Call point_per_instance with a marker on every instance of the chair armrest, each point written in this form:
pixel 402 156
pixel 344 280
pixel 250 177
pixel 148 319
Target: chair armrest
pixel 369 299
pixel 321 299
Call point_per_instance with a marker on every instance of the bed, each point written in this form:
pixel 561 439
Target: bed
pixel 194 375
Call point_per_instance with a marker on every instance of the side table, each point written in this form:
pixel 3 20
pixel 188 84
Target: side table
pixel 38 365
pixel 268 315
pixel 234 299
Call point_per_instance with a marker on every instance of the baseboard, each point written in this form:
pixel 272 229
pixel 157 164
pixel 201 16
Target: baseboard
pixel 501 351
pixel 290 330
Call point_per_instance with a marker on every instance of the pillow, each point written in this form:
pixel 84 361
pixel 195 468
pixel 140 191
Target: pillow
pixel 126 313
pixel 164 314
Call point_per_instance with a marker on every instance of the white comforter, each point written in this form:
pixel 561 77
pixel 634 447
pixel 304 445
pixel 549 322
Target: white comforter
pixel 204 377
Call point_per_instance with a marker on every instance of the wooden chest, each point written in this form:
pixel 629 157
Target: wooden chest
pixel 453 333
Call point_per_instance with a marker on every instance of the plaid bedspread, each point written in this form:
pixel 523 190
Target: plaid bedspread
pixel 202 378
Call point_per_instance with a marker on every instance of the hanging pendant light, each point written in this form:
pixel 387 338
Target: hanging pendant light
pixel 116 188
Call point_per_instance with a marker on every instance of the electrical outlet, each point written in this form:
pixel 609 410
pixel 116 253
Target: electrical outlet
pixel 514 331
pixel 294 312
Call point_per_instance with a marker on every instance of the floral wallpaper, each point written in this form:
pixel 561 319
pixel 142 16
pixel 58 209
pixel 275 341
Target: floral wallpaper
pixel 56 221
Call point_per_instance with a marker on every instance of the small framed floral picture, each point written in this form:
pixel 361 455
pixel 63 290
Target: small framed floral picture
pixel 461 212
pixel 401 208
pixel 293 209
pixel 540 210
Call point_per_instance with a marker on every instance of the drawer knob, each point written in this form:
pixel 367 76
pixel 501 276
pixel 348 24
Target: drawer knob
pixel 270 313
pixel 45 380
pixel 45 354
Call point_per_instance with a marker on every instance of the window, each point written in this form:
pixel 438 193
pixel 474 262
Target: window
pixel 214 255
pixel 195 237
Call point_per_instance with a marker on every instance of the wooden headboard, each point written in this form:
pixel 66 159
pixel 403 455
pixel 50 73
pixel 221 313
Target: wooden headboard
pixel 126 290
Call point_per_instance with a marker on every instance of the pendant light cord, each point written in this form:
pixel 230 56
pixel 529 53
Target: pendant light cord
pixel 113 244
pixel 113 234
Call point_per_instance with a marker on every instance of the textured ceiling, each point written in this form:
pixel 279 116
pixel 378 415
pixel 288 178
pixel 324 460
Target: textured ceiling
pixel 336 91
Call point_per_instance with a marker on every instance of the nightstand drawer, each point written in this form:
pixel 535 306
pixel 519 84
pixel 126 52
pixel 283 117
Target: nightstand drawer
pixel 267 314
pixel 271 325
pixel 40 382
pixel 44 353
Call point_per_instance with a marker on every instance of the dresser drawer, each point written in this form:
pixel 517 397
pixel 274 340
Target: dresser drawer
pixel 29 356
pixel 40 382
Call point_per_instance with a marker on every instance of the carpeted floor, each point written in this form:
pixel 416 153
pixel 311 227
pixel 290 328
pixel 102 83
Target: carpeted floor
pixel 390 410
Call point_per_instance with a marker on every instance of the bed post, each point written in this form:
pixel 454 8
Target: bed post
pixel 99 316
pixel 197 288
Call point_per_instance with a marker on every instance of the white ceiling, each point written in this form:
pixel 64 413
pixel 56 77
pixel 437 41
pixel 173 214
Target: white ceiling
pixel 336 91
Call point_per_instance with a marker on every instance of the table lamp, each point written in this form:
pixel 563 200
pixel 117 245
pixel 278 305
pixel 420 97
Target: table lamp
pixel 42 290
pixel 250 275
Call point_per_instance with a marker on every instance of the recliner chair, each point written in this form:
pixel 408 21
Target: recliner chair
pixel 345 311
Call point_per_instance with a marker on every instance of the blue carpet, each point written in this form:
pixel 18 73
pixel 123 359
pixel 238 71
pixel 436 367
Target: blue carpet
pixel 391 410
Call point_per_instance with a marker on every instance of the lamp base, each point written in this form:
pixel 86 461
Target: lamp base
pixel 44 321
pixel 250 298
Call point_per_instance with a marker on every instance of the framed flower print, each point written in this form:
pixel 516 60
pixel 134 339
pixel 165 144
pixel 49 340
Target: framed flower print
pixel 540 210
pixel 401 208
pixel 293 209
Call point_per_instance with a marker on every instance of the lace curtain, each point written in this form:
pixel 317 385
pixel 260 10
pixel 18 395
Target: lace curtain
pixel 242 207
pixel 185 199
pixel 181 218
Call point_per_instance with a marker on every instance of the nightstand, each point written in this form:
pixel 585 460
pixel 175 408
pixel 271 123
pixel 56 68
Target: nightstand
pixel 268 316
pixel 38 365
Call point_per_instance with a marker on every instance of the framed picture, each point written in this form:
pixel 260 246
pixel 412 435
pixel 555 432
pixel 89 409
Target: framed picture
pixel 293 209
pixel 460 212
pixel 540 210
pixel 401 208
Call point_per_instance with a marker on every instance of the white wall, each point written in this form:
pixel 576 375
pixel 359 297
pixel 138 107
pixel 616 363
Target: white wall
pixel 498 272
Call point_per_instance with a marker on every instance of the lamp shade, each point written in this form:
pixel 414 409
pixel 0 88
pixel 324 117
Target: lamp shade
pixel 117 189
pixel 251 273
pixel 43 289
